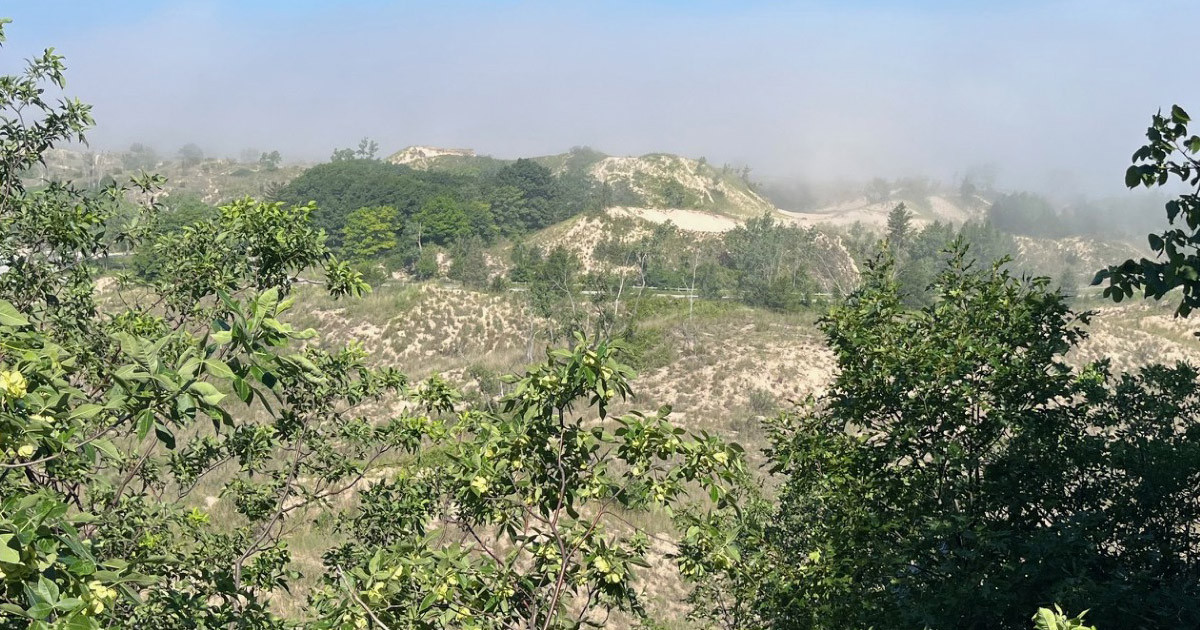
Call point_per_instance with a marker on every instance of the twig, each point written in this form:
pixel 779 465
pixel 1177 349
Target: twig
pixel 354 596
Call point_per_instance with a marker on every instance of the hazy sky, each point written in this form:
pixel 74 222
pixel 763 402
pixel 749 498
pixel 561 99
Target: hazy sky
pixel 1048 91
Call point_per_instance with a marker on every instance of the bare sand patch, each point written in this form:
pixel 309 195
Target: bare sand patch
pixel 687 220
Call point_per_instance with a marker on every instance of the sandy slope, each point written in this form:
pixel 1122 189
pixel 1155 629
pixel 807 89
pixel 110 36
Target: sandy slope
pixel 934 208
pixel 687 220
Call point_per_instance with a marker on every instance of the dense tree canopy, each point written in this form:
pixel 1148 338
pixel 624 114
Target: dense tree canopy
pixel 341 187
pixel 1027 214
pixel 439 206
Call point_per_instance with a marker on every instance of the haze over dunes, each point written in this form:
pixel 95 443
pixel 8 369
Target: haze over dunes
pixel 803 89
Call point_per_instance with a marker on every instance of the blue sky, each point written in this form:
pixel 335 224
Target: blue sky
pixel 1045 91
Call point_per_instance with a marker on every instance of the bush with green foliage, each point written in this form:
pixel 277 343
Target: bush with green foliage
pixel 899 227
pixel 516 518
pixel 139 157
pixel 103 413
pixel 270 161
pixel 469 264
pixel 761 263
pixel 441 207
pixel 178 211
pixel 959 471
pixel 1170 153
pixel 1046 619
pixel 427 266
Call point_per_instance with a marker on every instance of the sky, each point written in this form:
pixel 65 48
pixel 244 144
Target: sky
pixel 1047 95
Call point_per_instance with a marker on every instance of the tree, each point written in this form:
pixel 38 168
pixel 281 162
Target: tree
pixel 968 192
pixel 442 220
pixel 426 265
pixel 190 155
pixel 539 194
pixel 553 285
pixel 770 261
pixel 469 263
pixel 481 221
pixel 1170 153
pixel 270 161
pixel 960 472
pixel 532 179
pixel 899 227
pixel 924 254
pixel 366 149
pixel 674 194
pixel 370 233
pixel 516 519
pixel 341 187
pixel 139 156
pixel 510 210
pixel 878 190
pixel 917 265
pixel 1027 214
pixel 96 525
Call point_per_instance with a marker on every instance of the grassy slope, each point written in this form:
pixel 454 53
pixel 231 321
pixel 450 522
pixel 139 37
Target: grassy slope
pixel 717 363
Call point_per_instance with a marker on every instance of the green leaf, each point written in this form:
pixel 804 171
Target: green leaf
pixel 145 422
pixel 207 392
pixel 219 368
pixel 40 610
pixel 1178 115
pixel 81 622
pixel 104 445
pixel 1133 177
pixel 69 604
pixel 304 363
pixel 7 553
pixel 1044 619
pixel 10 316
pixel 86 412
pixel 164 435
pixel 243 389
pixel 47 590
pixel 265 304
